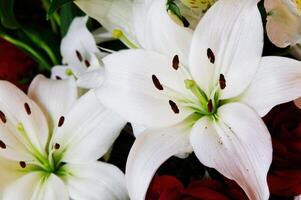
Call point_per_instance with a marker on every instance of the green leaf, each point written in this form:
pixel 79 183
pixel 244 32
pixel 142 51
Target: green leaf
pixel 56 4
pixel 67 14
pixel 7 16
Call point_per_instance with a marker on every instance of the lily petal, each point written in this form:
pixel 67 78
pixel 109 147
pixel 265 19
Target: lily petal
pixel 277 81
pixel 92 79
pixel 96 180
pixel 165 37
pixel 60 72
pixel 21 116
pixel 9 172
pixel 149 151
pixel 54 97
pixel 130 90
pixel 223 44
pixel 36 186
pixel 77 45
pixel 231 146
pixel 87 126
pixel 113 15
pixel 283 22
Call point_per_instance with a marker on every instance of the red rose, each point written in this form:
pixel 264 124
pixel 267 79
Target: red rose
pixel 14 64
pixel 214 190
pixel 284 123
pixel 165 188
pixel 170 188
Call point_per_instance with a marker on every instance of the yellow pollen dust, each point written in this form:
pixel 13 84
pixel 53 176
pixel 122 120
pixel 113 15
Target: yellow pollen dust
pixel 117 33
pixel 298 3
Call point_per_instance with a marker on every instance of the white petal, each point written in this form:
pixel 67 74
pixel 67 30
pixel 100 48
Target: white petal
pixel 138 129
pixel 88 131
pixel 22 113
pixel 155 30
pixel 59 72
pixel 225 29
pixel 9 172
pixel 96 180
pixel 150 150
pixel 298 197
pixel 130 91
pixel 238 145
pixel 277 81
pixel 283 22
pixel 114 14
pixel 36 186
pixel 78 39
pixel 92 79
pixel 54 97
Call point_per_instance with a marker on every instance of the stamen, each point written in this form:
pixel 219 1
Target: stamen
pixel 79 56
pixel 222 81
pixel 57 146
pixel 211 55
pixel 2 117
pixel 175 62
pixel 58 77
pixel 61 121
pixel 27 108
pixel 193 87
pixel 157 82
pixel 174 107
pixel 22 164
pixel 87 63
pixel 210 106
pixel 2 145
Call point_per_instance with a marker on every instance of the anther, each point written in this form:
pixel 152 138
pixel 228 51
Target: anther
pixel 27 108
pixel 22 164
pixel 79 56
pixel 210 106
pixel 2 145
pixel 211 55
pixel 58 77
pixel 175 62
pixel 174 107
pixel 222 81
pixel 87 63
pixel 2 117
pixel 157 82
pixel 61 121
pixel 57 146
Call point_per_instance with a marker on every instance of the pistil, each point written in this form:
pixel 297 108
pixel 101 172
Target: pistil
pixel 200 94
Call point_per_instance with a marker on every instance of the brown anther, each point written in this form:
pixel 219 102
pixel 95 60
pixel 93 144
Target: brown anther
pixel 61 121
pixel 174 107
pixel 79 56
pixel 210 106
pixel 222 81
pixel 87 63
pixel 2 117
pixel 22 164
pixel 58 77
pixel 2 145
pixel 27 108
pixel 211 55
pixel 175 62
pixel 157 82
pixel 57 146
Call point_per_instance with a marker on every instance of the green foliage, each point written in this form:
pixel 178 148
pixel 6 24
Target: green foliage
pixel 56 4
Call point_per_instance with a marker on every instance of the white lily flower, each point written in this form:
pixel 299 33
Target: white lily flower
pixel 209 102
pixel 283 21
pixel 298 197
pixel 50 142
pixel 81 56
